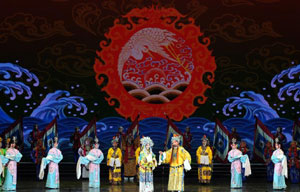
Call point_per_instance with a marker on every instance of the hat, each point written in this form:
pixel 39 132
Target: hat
pixel 115 139
pixel 146 140
pixel 176 138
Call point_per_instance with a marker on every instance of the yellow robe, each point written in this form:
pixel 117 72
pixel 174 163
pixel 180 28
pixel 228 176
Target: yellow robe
pixel 137 154
pixel 204 171
pixel 114 172
pixel 176 174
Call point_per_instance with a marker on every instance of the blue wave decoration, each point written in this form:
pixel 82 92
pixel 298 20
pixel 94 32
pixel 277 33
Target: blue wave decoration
pixel 253 104
pixel 153 127
pixel 14 88
pixel 290 89
pixel 55 103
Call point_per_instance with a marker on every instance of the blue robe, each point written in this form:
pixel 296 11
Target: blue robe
pixel 11 158
pixel 53 158
pixel 278 180
pixel 93 160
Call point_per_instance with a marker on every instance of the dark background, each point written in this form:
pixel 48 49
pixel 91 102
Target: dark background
pixel 252 40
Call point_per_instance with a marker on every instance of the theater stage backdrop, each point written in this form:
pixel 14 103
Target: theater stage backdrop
pixel 115 59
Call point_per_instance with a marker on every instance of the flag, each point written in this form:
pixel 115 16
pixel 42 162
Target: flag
pixel 296 131
pixel 15 130
pixel 48 134
pixel 172 129
pixel 89 131
pixel 134 127
pixel 261 136
pixel 221 141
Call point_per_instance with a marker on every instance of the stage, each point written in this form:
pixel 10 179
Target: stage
pixel 220 180
pixel 219 184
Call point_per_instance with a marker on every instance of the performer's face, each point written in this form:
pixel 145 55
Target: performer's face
pixel 277 146
pixel 204 143
pixel 12 145
pixel 55 144
pixel 96 145
pixel 175 143
pixel 147 146
pixel 115 144
pixel 233 146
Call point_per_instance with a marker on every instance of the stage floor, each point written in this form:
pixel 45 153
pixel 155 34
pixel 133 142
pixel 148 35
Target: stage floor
pixel 218 185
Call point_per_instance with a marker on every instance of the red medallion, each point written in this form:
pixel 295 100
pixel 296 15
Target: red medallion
pixel 155 64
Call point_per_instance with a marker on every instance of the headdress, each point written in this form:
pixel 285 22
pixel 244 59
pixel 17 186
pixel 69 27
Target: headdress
pixel 146 140
pixel 115 139
pixel 176 138
pixel 204 138
pixel 55 139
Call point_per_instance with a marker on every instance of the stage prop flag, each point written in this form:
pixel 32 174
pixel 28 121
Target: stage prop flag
pixel 15 130
pixel 296 131
pixel 89 131
pixel 172 129
pixel 134 128
pixel 262 135
pixel 48 134
pixel 221 141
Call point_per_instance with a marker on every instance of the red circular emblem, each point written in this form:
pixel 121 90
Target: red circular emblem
pixel 155 64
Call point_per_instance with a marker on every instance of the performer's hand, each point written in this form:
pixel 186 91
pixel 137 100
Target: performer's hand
pixel 160 152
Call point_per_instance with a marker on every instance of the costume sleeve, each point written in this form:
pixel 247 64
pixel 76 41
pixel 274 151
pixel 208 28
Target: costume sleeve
pixel 109 154
pixel 210 155
pixel 198 154
pixel 119 153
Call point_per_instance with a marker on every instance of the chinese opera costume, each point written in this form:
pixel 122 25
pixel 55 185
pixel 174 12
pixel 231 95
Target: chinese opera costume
pixel 238 160
pixel 179 159
pixel 53 158
pixel 204 160
pixel 92 160
pixel 293 162
pixel 75 140
pixel 280 166
pixel 270 166
pixel 114 159
pixel 137 155
pixel 38 154
pixel 147 163
pixel 83 151
pixel 2 152
pixel 11 158
pixel 129 160
pixel 245 151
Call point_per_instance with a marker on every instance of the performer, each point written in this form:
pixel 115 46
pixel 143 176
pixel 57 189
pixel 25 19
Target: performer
pixel 279 134
pixel 38 154
pixel 188 139
pixel 34 136
pixel 234 134
pixel 129 147
pixel 121 136
pixel 53 158
pixel 270 166
pixel 114 159
pixel 2 152
pixel 75 140
pixel 204 160
pixel 280 168
pixel 10 159
pixel 93 160
pixel 178 158
pixel 294 162
pixel 236 158
pixel 245 151
pixel 137 155
pixel 147 163
pixel 83 151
